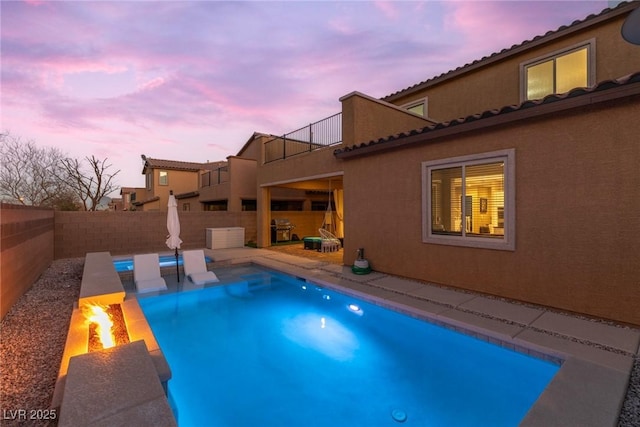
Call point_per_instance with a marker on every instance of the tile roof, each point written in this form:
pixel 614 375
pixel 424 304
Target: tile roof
pixel 142 202
pixel 592 19
pixel 602 92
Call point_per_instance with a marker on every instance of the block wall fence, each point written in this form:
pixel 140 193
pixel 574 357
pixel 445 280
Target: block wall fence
pixel 31 238
pixel 26 250
pixel 131 232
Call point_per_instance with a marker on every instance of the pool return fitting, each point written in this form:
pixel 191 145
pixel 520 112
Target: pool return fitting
pixel 399 415
pixel 361 265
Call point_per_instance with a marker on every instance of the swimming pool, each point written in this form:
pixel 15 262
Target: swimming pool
pixel 268 349
pixel 126 264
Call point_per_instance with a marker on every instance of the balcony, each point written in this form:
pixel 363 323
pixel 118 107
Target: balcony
pixel 215 176
pixel 324 133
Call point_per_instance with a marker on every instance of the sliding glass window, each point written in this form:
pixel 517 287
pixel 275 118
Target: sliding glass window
pixel 468 201
pixel 558 72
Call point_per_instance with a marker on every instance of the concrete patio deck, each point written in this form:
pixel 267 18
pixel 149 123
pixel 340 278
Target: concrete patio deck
pixel 596 357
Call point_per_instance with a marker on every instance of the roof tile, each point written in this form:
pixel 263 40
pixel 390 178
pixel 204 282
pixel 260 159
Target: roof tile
pixel 575 93
pixel 512 48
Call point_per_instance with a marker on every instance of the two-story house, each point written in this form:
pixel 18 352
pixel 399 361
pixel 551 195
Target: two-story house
pixel 163 176
pixel 514 175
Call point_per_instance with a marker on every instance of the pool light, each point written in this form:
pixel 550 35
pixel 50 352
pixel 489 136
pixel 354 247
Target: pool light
pixel 354 308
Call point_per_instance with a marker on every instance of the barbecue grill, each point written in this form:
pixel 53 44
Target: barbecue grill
pixel 281 230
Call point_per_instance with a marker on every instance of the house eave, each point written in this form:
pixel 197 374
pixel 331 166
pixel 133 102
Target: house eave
pixel 561 32
pixel 144 202
pixel 490 119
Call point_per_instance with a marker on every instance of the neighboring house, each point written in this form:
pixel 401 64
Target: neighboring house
pixel 228 186
pixel 500 176
pixel 115 205
pixel 163 176
pixel 129 196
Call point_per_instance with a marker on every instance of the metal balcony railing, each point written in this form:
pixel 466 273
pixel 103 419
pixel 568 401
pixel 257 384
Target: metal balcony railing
pixel 323 133
pixel 214 177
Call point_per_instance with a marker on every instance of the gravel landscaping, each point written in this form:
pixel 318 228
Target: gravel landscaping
pixel 33 335
pixel 32 339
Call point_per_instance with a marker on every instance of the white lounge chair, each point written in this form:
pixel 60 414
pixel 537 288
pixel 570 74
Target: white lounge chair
pixel 195 268
pixel 146 273
pixel 329 242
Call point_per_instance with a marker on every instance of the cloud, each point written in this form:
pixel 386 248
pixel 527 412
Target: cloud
pixel 206 74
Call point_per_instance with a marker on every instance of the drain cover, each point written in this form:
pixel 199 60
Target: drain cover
pixel 399 415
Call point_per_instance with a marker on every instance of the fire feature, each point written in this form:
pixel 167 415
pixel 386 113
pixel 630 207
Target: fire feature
pixel 106 326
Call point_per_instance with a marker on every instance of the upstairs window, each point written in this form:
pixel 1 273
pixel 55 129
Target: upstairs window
pixel 163 178
pixel 470 201
pixel 559 72
pixel 417 107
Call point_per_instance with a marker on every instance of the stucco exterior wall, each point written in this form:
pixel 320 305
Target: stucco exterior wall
pixel 365 119
pixel 177 180
pixel 26 250
pixel 306 223
pixel 243 182
pixel 577 213
pixel 315 163
pixel 497 84
pixel 214 192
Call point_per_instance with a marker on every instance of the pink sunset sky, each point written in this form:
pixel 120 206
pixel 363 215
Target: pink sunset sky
pixel 192 80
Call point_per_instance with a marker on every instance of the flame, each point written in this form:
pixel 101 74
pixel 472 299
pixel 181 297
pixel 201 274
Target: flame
pixel 97 314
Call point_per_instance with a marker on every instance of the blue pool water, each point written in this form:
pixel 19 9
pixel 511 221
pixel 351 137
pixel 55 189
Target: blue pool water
pixel 271 350
pixel 126 264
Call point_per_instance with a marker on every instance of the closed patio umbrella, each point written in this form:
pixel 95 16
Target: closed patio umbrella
pixel 173 227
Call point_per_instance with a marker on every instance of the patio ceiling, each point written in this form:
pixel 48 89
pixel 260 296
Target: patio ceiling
pixel 316 184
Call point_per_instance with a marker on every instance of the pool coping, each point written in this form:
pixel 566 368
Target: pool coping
pixel 596 357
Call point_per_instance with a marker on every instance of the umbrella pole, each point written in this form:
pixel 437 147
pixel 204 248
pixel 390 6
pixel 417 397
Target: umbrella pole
pixel 177 268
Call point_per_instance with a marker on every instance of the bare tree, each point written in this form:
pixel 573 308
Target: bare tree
pixel 29 175
pixel 91 186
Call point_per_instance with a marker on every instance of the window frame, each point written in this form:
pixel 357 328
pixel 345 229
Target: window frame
pixel 591 64
pixel 508 243
pixel 415 103
pixel 161 181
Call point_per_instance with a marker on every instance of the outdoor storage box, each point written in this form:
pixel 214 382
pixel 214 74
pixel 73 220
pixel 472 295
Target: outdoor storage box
pixel 227 237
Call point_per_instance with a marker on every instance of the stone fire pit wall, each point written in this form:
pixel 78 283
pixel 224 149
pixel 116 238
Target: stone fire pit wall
pixel 90 386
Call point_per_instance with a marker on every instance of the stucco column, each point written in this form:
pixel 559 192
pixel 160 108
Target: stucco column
pixel 264 217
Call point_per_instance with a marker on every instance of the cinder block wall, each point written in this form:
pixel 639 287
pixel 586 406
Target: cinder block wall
pixel 130 232
pixel 26 250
